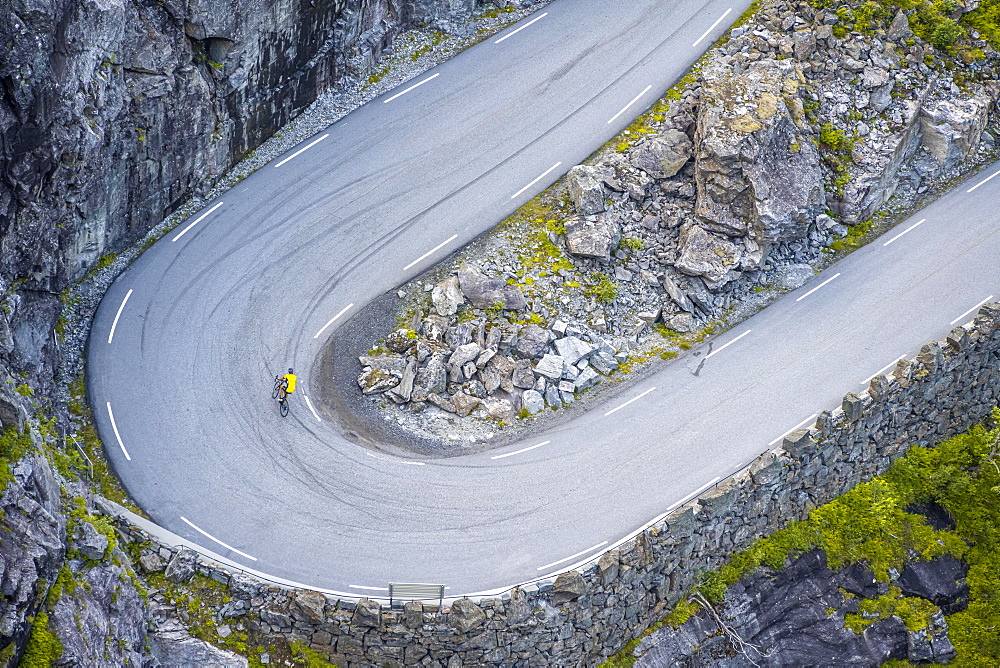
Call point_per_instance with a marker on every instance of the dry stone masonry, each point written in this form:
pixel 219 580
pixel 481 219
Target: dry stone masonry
pixel 581 616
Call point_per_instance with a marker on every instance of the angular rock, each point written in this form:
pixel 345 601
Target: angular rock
pixel 603 362
pixel 434 328
pixel 677 295
pixel 413 614
pixel 466 615
pixel 587 379
pixel 91 543
pixel 586 189
pixel 532 342
pixel 568 587
pixel 532 401
pixel 464 353
pixel 402 392
pixel 522 375
pixel 181 566
pixel 151 563
pixel 592 236
pixel 484 292
pixel 662 156
pixel 951 129
pixel 572 349
pixel 941 581
pixel 464 403
pixel 447 296
pixel 430 379
pixel 367 613
pixel 499 408
pixel 309 606
pixel 373 381
pixel 550 366
pixel 707 255
pixel 459 335
pixel 400 340
pixel 552 397
pixel 758 174
pixel 442 402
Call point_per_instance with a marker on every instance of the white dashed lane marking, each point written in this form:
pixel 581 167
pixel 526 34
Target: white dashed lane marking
pixel 511 34
pixel 121 308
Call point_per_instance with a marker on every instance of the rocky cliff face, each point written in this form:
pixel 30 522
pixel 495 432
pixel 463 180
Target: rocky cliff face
pixel 115 111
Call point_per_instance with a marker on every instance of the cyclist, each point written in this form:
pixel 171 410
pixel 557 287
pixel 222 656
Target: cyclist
pixel 289 383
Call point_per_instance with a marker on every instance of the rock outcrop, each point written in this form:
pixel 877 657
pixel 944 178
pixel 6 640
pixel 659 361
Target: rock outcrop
pixel 795 617
pixel 758 174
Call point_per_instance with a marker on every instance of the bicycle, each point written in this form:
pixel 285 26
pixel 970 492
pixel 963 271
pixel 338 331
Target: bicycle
pixel 279 393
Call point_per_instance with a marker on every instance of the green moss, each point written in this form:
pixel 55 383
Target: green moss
pixel 915 612
pixel 65 584
pixel 13 446
pixel 602 288
pixel 303 655
pixel 43 648
pixel 632 244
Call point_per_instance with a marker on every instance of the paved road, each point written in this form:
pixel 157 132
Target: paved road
pixel 210 313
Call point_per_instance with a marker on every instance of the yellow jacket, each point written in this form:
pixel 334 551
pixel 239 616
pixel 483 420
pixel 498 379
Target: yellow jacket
pixel 290 377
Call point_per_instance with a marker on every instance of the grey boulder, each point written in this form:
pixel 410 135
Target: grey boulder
pixel 586 189
pixel 663 156
pixel 447 296
pixel 484 292
pixel 592 236
pixel 532 401
pixel 706 254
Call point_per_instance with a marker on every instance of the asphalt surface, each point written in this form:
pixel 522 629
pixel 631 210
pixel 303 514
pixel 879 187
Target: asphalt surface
pixel 204 320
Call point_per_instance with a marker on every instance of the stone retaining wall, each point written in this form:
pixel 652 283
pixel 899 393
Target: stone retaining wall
pixel 582 616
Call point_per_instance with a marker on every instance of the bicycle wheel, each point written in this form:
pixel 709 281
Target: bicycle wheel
pixel 277 387
pixel 283 407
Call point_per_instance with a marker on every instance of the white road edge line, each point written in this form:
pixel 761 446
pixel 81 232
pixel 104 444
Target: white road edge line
pixel 369 588
pixel 334 318
pixel 562 561
pixel 625 108
pixel 200 218
pixel 118 315
pixel 904 232
pixel 433 76
pixel 537 18
pixel 117 436
pixel 614 410
pixel 211 537
pixel 882 370
pixel 719 350
pixel 712 28
pixel 310 405
pixel 818 287
pixel 517 452
pixel 970 310
pixel 302 150
pixel 988 178
pixel 543 175
pixel 801 424
pixel 397 461
pixel 431 251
